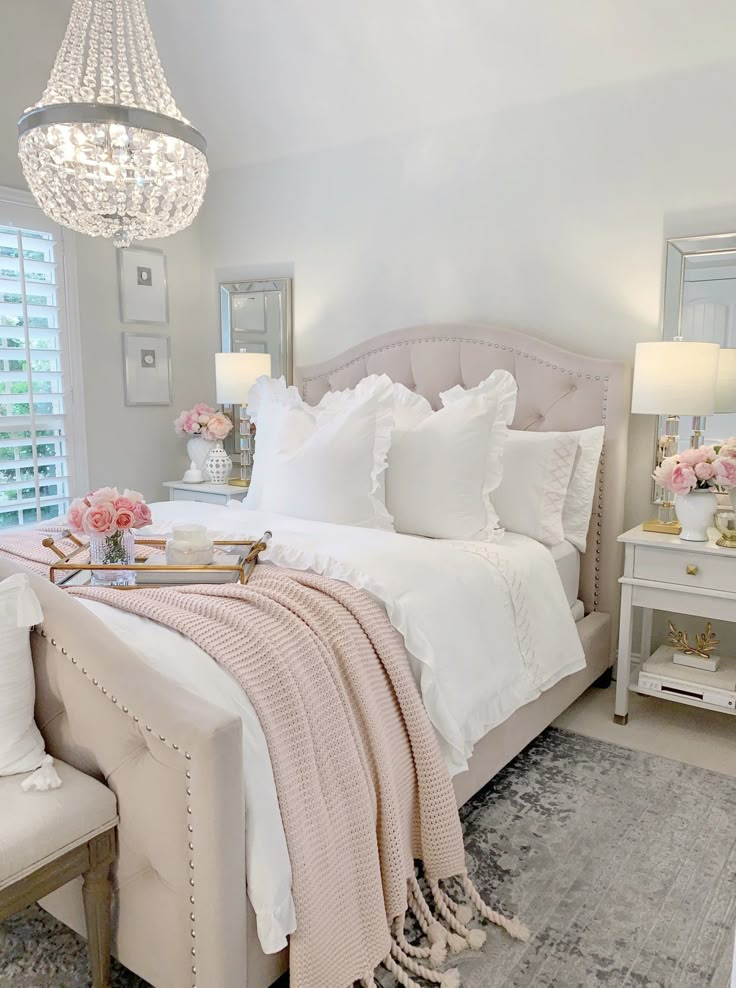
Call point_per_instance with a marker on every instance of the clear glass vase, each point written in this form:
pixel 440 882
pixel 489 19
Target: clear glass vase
pixel 117 549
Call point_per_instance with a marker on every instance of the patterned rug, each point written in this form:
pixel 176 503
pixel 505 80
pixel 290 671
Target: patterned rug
pixel 623 864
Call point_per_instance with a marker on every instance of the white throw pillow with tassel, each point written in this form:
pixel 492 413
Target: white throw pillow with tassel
pixel 21 745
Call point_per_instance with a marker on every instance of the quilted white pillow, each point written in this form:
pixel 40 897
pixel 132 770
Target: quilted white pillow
pixel 443 465
pixel 21 744
pixel 322 462
pixel 580 493
pixel 537 467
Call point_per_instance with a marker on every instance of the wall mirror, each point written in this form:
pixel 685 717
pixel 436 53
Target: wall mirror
pixel 699 304
pixel 255 316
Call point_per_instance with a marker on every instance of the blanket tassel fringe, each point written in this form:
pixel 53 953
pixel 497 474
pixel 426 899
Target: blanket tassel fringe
pixel 448 930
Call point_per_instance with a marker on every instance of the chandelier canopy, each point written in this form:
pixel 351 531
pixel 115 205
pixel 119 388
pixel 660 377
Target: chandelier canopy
pixel 106 150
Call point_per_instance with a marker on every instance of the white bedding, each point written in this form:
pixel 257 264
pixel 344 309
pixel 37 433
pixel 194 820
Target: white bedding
pixel 487 628
pixel 567 561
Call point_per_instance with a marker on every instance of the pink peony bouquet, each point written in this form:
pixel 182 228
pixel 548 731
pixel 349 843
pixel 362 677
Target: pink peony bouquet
pixel 698 469
pixel 203 421
pixel 106 512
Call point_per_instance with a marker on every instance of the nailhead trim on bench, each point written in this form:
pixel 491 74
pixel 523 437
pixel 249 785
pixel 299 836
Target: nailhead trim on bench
pixel 170 744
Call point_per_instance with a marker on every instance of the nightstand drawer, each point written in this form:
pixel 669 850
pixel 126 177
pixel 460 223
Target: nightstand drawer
pixel 180 495
pixel 687 569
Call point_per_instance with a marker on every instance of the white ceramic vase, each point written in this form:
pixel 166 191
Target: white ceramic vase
pixel 198 449
pixel 218 466
pixel 695 512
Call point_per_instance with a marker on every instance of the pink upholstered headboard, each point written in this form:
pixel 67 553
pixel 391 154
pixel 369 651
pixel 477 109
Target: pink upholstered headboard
pixel 558 390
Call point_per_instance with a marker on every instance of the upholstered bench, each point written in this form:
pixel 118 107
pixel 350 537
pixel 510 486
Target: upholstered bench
pixel 48 838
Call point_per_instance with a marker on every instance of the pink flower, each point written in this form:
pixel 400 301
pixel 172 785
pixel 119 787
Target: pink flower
pixel 75 514
pixel 728 448
pixel 683 479
pixel 725 471
pixel 103 494
pixel 134 496
pixel 701 454
pixel 663 473
pixel 142 514
pixel 704 471
pixel 124 519
pixel 124 504
pixel 218 427
pixel 100 520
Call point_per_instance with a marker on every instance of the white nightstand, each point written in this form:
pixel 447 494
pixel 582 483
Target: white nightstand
pixel 661 572
pixel 212 493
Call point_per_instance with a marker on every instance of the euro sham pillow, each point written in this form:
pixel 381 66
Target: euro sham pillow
pixel 537 467
pixel 323 462
pixel 579 501
pixel 443 465
pixel 21 744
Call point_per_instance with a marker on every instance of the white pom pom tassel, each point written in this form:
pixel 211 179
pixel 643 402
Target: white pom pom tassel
pixel 45 777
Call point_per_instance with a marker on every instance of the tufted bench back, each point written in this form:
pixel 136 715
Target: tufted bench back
pixel 558 390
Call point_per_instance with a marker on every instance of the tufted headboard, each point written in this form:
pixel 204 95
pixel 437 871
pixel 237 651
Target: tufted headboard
pixel 558 390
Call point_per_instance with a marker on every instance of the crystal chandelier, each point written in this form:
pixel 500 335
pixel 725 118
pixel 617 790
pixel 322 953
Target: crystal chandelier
pixel 106 151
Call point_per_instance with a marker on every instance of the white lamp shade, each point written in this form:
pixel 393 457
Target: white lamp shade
pixel 726 383
pixel 675 378
pixel 236 373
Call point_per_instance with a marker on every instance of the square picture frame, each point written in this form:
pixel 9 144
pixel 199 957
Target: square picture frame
pixel 146 369
pixel 143 286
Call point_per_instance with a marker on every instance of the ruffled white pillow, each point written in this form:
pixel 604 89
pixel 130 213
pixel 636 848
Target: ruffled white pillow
pixel 322 462
pixel 443 465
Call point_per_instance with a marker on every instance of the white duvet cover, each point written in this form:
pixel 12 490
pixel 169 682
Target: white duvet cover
pixel 486 624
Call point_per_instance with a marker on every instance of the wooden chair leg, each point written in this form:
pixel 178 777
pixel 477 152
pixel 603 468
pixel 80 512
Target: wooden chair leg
pixel 97 893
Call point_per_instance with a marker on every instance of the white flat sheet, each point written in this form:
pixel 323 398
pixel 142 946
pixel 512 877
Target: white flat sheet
pixel 567 561
pixel 487 628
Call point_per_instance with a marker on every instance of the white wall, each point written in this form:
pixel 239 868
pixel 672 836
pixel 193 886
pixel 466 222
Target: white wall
pixel 131 447
pixel 548 217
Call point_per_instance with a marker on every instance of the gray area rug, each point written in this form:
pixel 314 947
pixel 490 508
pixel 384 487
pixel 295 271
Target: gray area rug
pixel 623 864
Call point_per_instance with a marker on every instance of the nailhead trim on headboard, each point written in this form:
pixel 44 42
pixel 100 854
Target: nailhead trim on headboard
pixel 169 744
pixel 518 353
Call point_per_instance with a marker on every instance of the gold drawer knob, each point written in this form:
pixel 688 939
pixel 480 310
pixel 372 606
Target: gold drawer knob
pixel 691 570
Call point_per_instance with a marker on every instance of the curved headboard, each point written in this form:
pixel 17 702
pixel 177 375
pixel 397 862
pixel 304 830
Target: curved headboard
pixel 558 390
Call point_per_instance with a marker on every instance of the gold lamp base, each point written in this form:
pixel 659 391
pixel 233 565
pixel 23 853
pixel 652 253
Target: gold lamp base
pixel 238 482
pixel 662 527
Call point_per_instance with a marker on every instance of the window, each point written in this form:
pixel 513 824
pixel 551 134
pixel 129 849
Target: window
pixel 40 457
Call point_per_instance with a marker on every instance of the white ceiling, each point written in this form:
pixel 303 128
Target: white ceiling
pixel 269 78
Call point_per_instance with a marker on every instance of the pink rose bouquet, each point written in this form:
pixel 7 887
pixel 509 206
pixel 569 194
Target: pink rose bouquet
pixel 698 469
pixel 107 512
pixel 203 421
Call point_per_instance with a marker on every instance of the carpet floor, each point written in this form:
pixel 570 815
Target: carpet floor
pixel 623 864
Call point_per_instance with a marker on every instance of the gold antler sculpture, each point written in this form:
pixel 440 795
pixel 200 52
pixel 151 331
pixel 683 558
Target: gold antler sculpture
pixel 705 643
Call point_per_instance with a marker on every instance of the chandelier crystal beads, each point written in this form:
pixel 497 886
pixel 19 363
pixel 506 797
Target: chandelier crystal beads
pixel 106 150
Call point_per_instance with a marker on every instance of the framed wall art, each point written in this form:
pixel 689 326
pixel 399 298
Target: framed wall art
pixel 144 294
pixel 146 369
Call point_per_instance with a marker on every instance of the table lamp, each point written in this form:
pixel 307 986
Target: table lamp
pixel 674 377
pixel 235 375
pixel 726 380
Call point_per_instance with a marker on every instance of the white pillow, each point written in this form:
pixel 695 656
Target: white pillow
pixel 322 462
pixel 442 466
pixel 21 744
pixel 537 467
pixel 579 501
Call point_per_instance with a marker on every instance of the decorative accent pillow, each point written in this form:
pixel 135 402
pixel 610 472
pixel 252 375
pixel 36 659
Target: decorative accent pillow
pixel 443 465
pixel 21 744
pixel 322 462
pixel 537 467
pixel 579 501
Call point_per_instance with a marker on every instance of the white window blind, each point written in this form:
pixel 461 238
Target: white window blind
pixel 38 452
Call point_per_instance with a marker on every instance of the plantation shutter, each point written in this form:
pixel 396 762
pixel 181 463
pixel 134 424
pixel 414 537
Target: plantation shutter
pixel 37 453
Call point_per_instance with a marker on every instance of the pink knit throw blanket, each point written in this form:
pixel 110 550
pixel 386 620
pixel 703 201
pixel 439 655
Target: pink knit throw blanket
pixel 361 784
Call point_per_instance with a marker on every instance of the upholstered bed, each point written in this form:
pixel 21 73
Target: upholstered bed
pixel 175 762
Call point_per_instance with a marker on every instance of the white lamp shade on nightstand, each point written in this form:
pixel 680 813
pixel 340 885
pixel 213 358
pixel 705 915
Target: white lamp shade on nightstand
pixel 726 382
pixel 673 377
pixel 236 373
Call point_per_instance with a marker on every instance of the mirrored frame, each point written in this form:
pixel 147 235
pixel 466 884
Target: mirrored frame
pixel 684 255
